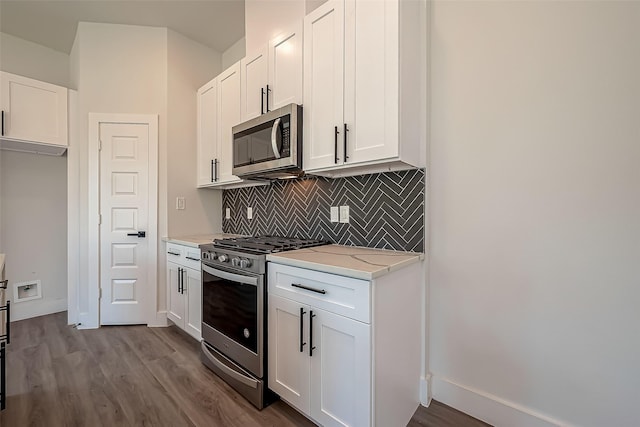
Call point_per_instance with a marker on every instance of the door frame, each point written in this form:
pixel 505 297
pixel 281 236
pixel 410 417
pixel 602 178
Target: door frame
pixel 94 285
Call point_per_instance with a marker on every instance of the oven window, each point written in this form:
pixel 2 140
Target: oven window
pixel 231 308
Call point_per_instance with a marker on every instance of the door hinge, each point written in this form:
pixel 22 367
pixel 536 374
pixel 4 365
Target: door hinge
pixel 99 145
pixel 100 294
pixel 99 219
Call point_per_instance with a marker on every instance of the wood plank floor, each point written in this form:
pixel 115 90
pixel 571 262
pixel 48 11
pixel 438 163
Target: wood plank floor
pixel 136 376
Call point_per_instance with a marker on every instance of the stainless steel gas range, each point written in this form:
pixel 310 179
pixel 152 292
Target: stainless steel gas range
pixel 234 298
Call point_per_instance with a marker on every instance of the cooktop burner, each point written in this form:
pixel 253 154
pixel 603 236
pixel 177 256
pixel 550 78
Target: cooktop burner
pixel 266 244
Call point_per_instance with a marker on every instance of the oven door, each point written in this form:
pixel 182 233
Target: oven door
pixel 233 316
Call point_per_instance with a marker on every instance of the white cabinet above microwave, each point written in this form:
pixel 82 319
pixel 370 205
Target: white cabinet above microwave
pixel 364 79
pixel 34 116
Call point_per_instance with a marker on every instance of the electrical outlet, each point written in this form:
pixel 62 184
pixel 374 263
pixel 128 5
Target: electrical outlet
pixel 180 203
pixel 227 214
pixel 344 214
pixel 334 214
pixel 249 212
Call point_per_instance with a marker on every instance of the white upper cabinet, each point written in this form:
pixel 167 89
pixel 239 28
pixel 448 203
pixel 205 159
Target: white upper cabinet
pixel 218 111
pixel 323 87
pixel 254 84
pixel 33 111
pixel 207 132
pixel 272 76
pixel 228 116
pixel 285 68
pixel 366 113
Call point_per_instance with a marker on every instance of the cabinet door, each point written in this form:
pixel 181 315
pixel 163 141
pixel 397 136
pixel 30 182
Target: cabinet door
pixel 323 85
pixel 207 131
pixel 371 79
pixel 340 370
pixel 285 68
pixel 253 86
pixel 193 290
pixel 228 116
pixel 33 110
pixel 288 366
pixel 175 299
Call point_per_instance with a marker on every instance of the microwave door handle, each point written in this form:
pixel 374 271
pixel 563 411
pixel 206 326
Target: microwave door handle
pixel 274 134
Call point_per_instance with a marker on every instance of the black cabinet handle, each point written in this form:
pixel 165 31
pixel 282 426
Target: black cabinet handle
pixel 2 123
pixel 335 143
pixel 261 100
pixel 346 157
pixel 307 288
pixel 7 336
pixel 182 281
pixel 179 280
pixel 140 234
pixel 173 253
pixel 192 258
pixel 212 178
pixel 215 176
pixel 302 344
pixel 311 347
pixel 268 90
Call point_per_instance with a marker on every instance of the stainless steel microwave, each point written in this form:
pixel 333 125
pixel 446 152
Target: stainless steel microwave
pixel 269 146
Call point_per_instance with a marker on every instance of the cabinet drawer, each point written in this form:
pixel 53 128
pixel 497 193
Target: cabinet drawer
pixel 186 256
pixel 337 294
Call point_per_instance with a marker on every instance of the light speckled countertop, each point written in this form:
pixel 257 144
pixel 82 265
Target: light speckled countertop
pixel 198 239
pixel 351 261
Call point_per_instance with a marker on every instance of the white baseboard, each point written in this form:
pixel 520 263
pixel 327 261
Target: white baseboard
pixel 160 320
pixel 35 308
pixel 488 408
pixel 425 390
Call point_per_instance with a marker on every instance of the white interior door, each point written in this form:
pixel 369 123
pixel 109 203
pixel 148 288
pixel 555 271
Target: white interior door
pixel 124 209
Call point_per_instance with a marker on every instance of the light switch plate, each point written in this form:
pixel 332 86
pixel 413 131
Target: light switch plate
pixel 227 213
pixel 334 214
pixel 180 203
pixel 344 214
pixel 249 212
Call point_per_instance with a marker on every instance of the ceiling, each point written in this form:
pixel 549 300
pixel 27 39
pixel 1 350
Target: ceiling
pixel 214 23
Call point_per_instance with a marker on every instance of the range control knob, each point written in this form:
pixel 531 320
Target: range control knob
pixel 245 263
pixel 223 258
pixel 205 255
pixel 235 262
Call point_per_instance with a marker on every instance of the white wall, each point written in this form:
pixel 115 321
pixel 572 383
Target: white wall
pixel 34 229
pixel 25 58
pixel 145 70
pixel 120 69
pixel 33 195
pixel 535 207
pixel 265 19
pixel 234 54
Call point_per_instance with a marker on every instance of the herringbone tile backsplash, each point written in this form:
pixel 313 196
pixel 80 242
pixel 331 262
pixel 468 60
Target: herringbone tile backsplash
pixel 386 210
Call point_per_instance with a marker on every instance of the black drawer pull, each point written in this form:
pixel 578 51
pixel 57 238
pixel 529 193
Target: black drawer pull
pixel 192 259
pixel 306 288
pixel 174 253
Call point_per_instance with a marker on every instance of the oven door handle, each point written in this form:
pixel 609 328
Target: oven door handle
pixel 248 381
pixel 246 280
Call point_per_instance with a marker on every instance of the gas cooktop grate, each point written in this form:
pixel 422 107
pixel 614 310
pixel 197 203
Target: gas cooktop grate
pixel 266 244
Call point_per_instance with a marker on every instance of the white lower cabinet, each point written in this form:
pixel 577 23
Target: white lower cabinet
pixel 184 289
pixel 321 345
